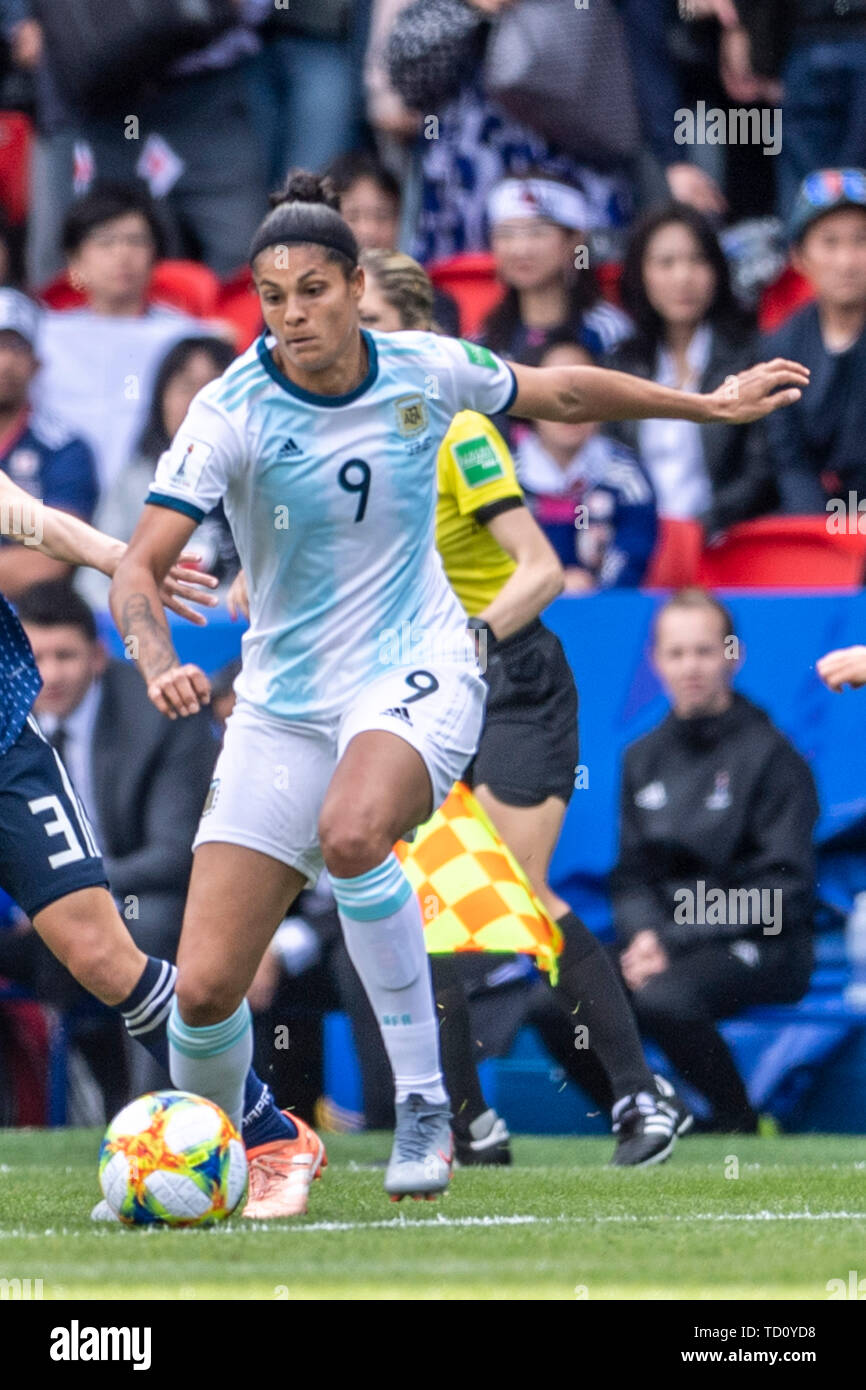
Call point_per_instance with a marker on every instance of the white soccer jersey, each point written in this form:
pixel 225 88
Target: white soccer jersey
pixel 331 501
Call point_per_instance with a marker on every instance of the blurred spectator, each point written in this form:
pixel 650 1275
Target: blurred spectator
pixel 817 446
pixel 196 144
pixel 186 368
pixel 100 361
pixel 370 203
pixel 369 199
pixel 691 334
pixel 818 50
pixel 141 778
pixel 588 493
pixel 52 153
pixel 435 64
pixel 38 452
pixel 539 236
pixel 308 88
pixel 713 894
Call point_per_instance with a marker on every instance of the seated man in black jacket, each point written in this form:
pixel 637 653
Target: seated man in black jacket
pixel 713 891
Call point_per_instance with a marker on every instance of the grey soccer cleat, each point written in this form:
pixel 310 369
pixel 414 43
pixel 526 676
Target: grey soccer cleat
pixel 420 1163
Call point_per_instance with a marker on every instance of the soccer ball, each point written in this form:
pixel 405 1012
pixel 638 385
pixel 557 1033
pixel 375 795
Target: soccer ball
pixel 174 1158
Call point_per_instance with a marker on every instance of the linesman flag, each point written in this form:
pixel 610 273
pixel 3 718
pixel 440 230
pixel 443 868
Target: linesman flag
pixel 474 895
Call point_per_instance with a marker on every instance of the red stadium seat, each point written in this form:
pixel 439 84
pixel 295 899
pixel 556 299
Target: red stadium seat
pixel 16 134
pixel 784 552
pixel 471 279
pixel 238 304
pixel 782 299
pixel 59 293
pixel 184 285
pixel 674 562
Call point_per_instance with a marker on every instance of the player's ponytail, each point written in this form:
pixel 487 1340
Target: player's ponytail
pixel 307 210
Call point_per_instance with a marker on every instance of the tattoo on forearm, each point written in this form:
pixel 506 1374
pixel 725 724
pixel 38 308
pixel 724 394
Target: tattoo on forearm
pixel 155 652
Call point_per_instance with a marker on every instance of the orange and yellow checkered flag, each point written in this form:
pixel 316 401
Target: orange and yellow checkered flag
pixel 474 895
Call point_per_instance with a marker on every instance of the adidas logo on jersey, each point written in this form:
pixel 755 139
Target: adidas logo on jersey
pixel 289 450
pixel 399 712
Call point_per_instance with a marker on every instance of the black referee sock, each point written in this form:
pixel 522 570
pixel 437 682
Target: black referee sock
pixel 589 985
pixel 459 1069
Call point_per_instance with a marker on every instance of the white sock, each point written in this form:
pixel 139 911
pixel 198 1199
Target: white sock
pixel 213 1061
pixel 384 936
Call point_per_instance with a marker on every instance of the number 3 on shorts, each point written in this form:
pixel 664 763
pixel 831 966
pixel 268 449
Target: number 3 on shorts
pixel 61 825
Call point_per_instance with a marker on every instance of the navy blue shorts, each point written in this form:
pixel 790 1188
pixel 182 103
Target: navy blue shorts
pixel 47 846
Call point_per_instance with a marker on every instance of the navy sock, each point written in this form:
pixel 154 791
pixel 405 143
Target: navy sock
pixel 145 1012
pixel 263 1121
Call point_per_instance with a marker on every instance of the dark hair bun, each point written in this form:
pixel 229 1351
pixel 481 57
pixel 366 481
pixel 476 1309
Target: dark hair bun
pixel 302 186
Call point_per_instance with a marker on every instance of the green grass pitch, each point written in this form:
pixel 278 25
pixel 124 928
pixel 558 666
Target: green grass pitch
pixel 727 1217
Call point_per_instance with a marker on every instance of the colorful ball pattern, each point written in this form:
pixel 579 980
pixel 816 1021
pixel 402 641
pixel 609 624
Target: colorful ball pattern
pixel 174 1158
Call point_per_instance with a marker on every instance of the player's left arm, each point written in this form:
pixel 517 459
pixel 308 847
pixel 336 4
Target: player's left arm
pixel 579 394
pixel 536 581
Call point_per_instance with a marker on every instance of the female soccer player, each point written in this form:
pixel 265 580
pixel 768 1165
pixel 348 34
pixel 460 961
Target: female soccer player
pixel 322 442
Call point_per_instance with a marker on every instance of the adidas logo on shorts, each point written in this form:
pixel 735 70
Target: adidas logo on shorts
pixel 399 712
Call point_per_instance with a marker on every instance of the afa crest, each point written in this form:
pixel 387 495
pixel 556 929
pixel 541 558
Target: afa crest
pixel 412 417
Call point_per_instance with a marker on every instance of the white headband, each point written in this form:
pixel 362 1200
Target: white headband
pixel 539 198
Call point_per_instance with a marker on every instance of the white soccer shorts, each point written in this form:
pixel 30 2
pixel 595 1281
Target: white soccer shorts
pixel 271 777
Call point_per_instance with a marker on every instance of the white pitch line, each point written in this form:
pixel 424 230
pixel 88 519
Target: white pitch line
pixel 442 1222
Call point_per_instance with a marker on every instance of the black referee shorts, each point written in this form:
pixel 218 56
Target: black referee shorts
pixel 529 743
pixel 47 847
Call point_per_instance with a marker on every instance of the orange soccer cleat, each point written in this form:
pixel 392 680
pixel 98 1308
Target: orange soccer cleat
pixel 281 1173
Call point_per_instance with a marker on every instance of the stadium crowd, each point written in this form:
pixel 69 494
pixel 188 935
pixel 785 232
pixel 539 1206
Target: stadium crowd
pixel 566 212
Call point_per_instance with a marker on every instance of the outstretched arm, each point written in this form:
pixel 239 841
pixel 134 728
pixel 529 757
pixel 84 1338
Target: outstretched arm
pixel 847 666
pixel 24 518
pixel 156 543
pixel 71 541
pixel 578 394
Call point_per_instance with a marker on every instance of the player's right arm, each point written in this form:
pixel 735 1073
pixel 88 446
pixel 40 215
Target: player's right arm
pixel 191 477
pixel 174 687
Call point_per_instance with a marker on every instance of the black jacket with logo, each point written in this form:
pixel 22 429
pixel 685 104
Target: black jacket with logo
pixel 723 801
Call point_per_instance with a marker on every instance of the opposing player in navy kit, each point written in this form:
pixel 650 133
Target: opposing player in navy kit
pixel 50 864
pixel 322 441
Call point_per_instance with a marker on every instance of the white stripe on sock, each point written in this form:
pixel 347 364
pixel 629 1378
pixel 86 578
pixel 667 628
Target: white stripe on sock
pixel 164 985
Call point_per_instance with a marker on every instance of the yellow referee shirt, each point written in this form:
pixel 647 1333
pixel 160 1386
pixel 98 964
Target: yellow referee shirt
pixel 475 469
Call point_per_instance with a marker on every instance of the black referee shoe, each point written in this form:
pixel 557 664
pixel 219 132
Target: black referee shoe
pixel 646 1130
pixel 486 1142
pixel 682 1114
